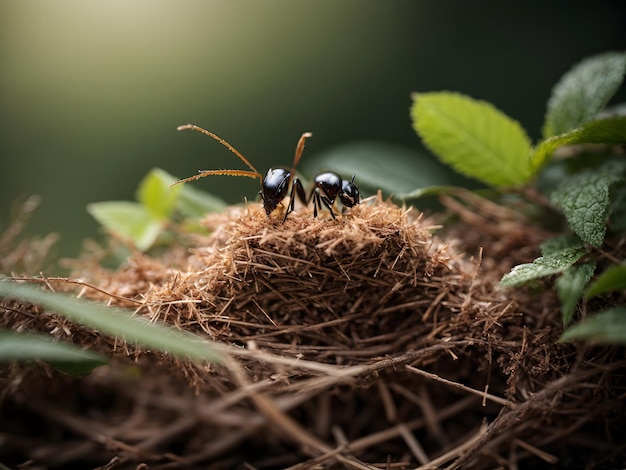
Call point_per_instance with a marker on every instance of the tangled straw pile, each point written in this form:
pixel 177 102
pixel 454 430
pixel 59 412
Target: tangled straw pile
pixel 364 342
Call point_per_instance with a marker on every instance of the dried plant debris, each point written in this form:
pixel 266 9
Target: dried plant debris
pixel 19 253
pixel 365 342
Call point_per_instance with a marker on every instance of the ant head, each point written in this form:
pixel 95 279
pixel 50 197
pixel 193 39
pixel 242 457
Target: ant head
pixel 349 194
pixel 268 204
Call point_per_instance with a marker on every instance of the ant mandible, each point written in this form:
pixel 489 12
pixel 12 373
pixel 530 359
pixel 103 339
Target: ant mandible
pixel 274 187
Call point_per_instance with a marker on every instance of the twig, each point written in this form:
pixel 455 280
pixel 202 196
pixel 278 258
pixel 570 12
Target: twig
pixel 413 444
pixel 67 280
pixel 458 450
pixel 545 456
pixel 290 428
pixel 484 394
pixel 508 417
pixel 393 432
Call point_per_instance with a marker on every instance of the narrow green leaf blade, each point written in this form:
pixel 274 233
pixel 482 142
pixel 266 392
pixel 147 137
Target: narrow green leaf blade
pixel 584 199
pixel 570 287
pixel 543 266
pixel 608 327
pixel 156 195
pixel 583 92
pixel 608 131
pixel 116 322
pixel 33 347
pixel 611 280
pixel 473 137
pixel 130 221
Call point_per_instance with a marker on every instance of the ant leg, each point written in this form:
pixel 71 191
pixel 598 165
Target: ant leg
pixel 308 201
pixel 299 191
pixel 316 201
pixel 328 205
pixel 297 186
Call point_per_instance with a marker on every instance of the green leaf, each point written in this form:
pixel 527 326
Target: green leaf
pixel 33 347
pixel 429 191
pixel 570 286
pixel 473 137
pixel 377 165
pixel 156 195
pixel 543 266
pixel 560 243
pixel 584 199
pixel 195 203
pixel 116 322
pixel 608 131
pixel 583 92
pixel 130 221
pixel 611 280
pixel 607 327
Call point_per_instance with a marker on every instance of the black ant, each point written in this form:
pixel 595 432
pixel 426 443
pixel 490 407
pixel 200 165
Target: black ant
pixel 327 187
pixel 274 187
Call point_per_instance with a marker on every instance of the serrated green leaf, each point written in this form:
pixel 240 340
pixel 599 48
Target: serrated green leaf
pixel 583 92
pixel 608 131
pixel 33 347
pixel 584 199
pixel 570 287
pixel 543 266
pixel 377 165
pixel 608 327
pixel 473 137
pixel 130 221
pixel 116 322
pixel 156 195
pixel 611 280
pixel 195 203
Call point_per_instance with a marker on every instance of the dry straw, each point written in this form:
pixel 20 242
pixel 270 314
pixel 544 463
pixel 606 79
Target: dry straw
pixel 365 342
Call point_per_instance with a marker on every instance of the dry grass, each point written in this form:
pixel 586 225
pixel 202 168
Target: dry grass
pixel 362 343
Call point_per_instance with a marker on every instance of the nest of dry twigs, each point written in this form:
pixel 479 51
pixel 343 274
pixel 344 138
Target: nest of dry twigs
pixel 365 342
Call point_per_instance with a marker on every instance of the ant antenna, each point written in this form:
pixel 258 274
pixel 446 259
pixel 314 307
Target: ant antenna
pixel 299 150
pixel 250 174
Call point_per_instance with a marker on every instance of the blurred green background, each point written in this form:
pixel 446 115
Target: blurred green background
pixel 91 92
